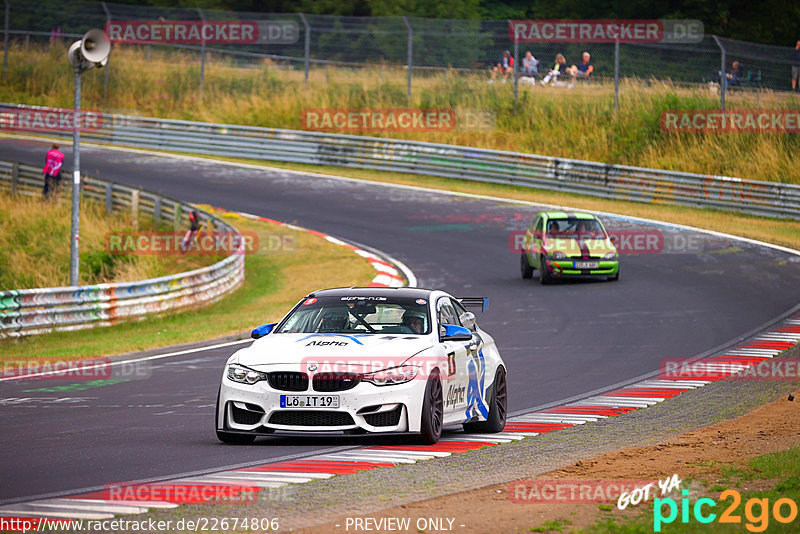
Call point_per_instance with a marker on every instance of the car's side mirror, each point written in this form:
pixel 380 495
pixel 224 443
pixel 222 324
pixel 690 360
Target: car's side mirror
pixel 455 333
pixel 263 330
pixel 468 320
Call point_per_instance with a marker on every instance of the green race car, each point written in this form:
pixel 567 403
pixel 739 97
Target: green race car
pixel 561 245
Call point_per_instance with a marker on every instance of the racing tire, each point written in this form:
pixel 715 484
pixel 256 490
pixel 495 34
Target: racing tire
pixel 544 276
pixel 525 267
pixel 615 277
pixel 498 408
pixel 230 438
pixel 432 419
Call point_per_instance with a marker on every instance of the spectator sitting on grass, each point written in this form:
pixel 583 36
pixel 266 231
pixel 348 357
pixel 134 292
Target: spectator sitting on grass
pixel 736 74
pixel 583 69
pixel 530 65
pixel 505 65
pixel 557 69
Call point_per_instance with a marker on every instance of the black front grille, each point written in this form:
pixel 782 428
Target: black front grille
pixel 390 418
pixel 288 381
pixel 311 418
pixel 246 417
pixel 335 381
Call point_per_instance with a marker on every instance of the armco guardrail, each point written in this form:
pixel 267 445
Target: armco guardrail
pixel 511 168
pixel 35 311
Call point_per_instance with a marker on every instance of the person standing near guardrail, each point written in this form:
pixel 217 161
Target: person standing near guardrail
pixel 52 171
pixel 796 66
pixel 191 233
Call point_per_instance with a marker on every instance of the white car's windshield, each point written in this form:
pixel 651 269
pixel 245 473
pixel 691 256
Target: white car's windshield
pixel 358 314
pixel 574 228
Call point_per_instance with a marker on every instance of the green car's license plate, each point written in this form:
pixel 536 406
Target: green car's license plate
pixel 309 401
pixel 586 264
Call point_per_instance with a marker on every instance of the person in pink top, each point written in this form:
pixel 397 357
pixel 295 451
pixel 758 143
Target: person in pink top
pixel 52 171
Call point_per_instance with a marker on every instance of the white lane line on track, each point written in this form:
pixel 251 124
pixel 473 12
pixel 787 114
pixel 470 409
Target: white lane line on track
pixel 143 359
pixel 76 504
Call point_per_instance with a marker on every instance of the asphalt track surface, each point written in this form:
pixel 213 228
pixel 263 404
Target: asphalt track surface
pixel 558 341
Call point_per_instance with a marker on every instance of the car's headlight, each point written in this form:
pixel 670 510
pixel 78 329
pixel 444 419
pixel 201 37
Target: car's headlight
pixel 610 256
pixel 558 255
pixel 243 375
pixel 390 377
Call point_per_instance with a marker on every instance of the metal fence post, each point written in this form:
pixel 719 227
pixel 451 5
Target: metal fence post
pixel 723 81
pixel 74 253
pixel 14 178
pixel 109 198
pixel 616 75
pixel 5 38
pixel 410 55
pixel 516 68
pixel 307 52
pixel 105 69
pixel 202 48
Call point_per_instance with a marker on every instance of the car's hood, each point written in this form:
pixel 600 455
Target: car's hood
pixel 576 248
pixel 361 352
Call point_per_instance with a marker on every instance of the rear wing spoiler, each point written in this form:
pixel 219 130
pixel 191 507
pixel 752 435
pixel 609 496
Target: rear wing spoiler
pixel 475 302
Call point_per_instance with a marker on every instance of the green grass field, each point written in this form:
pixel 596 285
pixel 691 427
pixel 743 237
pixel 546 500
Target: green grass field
pixel 578 123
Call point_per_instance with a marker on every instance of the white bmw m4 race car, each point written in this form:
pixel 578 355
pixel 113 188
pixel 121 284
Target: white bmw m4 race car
pixel 357 360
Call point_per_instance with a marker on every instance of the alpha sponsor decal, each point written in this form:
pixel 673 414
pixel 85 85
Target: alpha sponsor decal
pixel 380 299
pixel 327 343
pixel 476 370
pixel 455 396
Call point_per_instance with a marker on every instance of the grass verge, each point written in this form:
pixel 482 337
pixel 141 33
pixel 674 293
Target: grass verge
pixel 761 483
pixel 34 246
pixel 274 281
pixel 578 123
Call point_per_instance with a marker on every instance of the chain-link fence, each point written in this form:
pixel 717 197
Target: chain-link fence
pixel 418 46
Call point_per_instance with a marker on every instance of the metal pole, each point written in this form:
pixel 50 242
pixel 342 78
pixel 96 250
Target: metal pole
pixel 5 38
pixel 307 47
pixel 76 184
pixel 616 75
pixel 723 81
pixel 202 49
pixel 410 55
pixel 516 68
pixel 105 70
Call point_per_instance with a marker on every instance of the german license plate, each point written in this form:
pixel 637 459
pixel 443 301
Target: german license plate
pixel 309 401
pixel 586 264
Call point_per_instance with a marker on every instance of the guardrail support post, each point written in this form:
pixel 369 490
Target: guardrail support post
pixel 307 52
pixel 109 198
pixel 410 57
pixel 14 178
pixel 157 211
pixel 5 39
pixel 176 222
pixel 135 207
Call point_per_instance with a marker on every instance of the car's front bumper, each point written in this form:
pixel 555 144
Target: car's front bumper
pixel 256 408
pixel 566 268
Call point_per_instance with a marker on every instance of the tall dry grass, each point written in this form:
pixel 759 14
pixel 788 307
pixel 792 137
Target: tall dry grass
pixel 35 246
pixel 577 123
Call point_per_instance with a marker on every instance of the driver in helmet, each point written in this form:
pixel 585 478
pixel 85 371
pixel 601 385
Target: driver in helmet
pixel 334 320
pixel 415 320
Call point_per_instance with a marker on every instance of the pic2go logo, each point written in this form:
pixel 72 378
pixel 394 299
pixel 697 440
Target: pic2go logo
pixel 756 511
